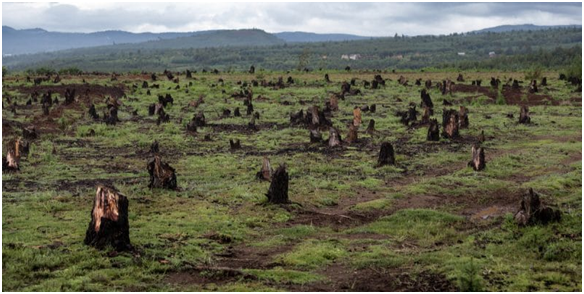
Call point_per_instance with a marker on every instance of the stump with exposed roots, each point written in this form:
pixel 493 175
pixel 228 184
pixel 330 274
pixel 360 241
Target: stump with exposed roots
pixel 386 155
pixel 278 191
pixel 532 211
pixel 478 158
pixel 109 220
pixel 524 117
pixel 162 175
pixel 266 171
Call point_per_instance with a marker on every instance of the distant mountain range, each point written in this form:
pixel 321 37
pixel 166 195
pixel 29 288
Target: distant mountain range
pixel 523 27
pixel 29 41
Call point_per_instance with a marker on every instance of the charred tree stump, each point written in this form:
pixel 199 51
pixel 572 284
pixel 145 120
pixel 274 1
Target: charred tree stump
pixel 109 223
pixel 93 112
pixel 433 131
pixel 524 115
pixel 29 133
pixel 199 119
pixel 297 118
pixel 162 175
pixel 450 124
pixel 266 171
pixel 334 102
pixel 315 136
pixel 252 69
pixel 371 127
pixel 249 108
pixel 463 118
pixel 236 112
pixel 278 191
pixel 326 78
pixel 372 108
pixel 386 155
pixel 544 81
pixel 460 78
pixel 532 211
pixel 426 100
pixel 154 148
pixel 426 115
pixel 478 158
pixel 46 109
pixel 145 85
pixel 334 137
pixel 234 145
pixel 69 96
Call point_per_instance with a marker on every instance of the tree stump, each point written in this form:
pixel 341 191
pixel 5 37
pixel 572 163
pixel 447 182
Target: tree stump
pixel 357 117
pixel 371 127
pixel 532 211
pixel 249 108
pixel 46 107
pixel 326 78
pixel 463 118
pixel 234 145
pixel 11 162
pixel 297 118
pixel 352 136
pixel 543 81
pixel 433 131
pixel 111 117
pixel 315 136
pixel 252 69
pixel 450 124
pixel 524 115
pixel 162 175
pixel 236 112
pixel 372 108
pixel 334 137
pixel 386 155
pixel 199 119
pixel 154 147
pixel 109 223
pixel 145 85
pixel 460 78
pixel 278 191
pixel 334 102
pixel 266 171
pixel 29 133
pixel 478 158
pixel 426 115
pixel 69 96
pixel 93 112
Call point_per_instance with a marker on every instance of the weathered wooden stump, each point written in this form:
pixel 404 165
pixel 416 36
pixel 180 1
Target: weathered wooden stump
pixel 357 117
pixel 386 155
pixel 234 145
pixel 478 158
pixel 532 211
pixel 278 191
pixel 450 124
pixel 266 171
pixel 162 175
pixel 433 131
pixel 463 118
pixel 524 117
pixel 109 223
pixel 315 136
pixel 334 137
pixel 352 135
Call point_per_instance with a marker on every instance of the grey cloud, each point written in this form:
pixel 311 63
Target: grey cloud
pixel 373 19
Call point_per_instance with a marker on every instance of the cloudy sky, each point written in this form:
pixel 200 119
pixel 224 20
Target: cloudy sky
pixel 369 19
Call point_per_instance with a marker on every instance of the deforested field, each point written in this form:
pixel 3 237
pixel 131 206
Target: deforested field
pixel 386 181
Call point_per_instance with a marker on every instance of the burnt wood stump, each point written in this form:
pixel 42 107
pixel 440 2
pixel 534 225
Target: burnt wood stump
pixel 524 117
pixel 109 223
pixel 478 158
pixel 352 135
pixel 334 137
pixel 532 211
pixel 433 131
pixel 29 133
pixel 234 145
pixel 278 191
pixel 315 136
pixel 371 127
pixel 463 118
pixel 93 112
pixel 450 124
pixel 386 155
pixel 162 175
